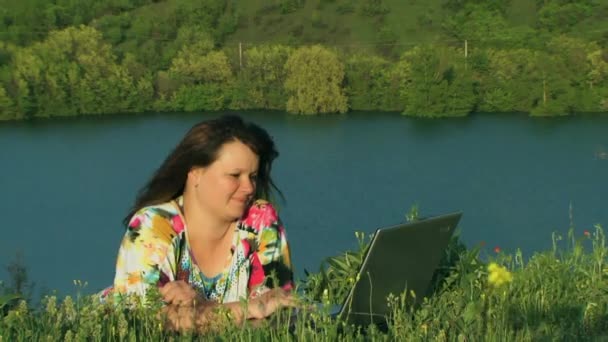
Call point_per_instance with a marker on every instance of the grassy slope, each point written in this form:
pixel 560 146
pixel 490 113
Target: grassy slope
pixel 318 21
pixel 336 28
pixel 522 12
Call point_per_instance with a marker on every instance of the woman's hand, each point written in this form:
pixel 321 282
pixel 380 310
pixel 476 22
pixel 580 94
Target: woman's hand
pixel 179 293
pixel 269 302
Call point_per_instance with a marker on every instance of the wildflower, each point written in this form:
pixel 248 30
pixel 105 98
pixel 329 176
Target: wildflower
pixel 498 275
pixel 69 336
pixel 325 296
pixel 497 249
pixel 51 305
pixel 586 233
pixel 441 336
pixel 68 309
pixel 424 328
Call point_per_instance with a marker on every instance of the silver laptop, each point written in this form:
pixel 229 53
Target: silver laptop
pixel 400 258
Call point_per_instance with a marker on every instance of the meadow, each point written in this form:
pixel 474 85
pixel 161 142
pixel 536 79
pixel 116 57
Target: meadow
pixel 559 294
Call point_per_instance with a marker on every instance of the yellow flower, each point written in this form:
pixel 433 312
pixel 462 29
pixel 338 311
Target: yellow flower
pixel 325 297
pixel 498 275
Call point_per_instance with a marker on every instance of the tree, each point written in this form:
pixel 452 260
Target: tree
pixel 370 83
pixel 523 80
pixel 261 79
pixel 597 77
pixel 7 109
pixel 314 81
pixel 575 69
pixel 72 72
pixel 560 17
pixel 206 80
pixel 437 85
pixel 504 80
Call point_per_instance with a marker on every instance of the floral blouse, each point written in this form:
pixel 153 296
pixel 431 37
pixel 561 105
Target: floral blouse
pixel 155 250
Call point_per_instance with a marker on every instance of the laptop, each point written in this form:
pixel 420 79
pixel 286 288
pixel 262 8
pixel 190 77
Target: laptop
pixel 400 258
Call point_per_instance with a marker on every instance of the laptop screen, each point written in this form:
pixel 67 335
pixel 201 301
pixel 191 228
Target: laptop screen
pixel 400 258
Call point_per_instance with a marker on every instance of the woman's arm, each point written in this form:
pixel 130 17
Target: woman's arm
pixel 270 261
pixel 147 256
pixel 204 316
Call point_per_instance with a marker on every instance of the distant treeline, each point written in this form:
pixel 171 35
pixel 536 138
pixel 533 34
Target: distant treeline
pixel 82 65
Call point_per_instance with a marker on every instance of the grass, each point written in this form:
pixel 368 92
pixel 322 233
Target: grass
pixel 522 13
pixel 337 23
pixel 560 294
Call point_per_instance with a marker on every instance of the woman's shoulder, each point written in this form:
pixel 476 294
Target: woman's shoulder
pixel 163 218
pixel 261 214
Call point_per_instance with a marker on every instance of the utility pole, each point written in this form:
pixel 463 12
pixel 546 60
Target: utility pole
pixel 240 55
pixel 466 52
pixel 544 92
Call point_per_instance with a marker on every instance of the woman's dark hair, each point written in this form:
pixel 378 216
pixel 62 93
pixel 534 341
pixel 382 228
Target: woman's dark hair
pixel 199 148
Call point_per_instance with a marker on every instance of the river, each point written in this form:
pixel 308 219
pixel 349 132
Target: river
pixel 67 183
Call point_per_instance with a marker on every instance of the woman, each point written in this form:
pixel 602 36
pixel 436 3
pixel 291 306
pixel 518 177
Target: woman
pixel 200 231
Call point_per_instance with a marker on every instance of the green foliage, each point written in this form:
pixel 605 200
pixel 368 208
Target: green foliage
pixel 337 274
pixel 373 8
pixel 20 287
pixel 261 79
pixel 561 16
pixel 23 22
pixel 206 80
pixel 505 81
pixel 72 72
pixel 113 27
pixel 437 83
pixel 477 24
pixel 139 55
pixel 198 97
pixel 314 81
pixel 191 66
pixel 558 294
pixel 492 5
pixel 289 6
pixel 7 108
pixel 346 7
pixel 215 16
pixel 576 68
pixel 372 83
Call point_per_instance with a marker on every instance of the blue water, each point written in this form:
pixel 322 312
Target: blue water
pixel 67 183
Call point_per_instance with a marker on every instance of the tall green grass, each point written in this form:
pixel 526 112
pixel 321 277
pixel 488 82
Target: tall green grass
pixel 559 294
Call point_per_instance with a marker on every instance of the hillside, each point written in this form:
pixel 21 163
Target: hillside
pixel 350 23
pixel 67 58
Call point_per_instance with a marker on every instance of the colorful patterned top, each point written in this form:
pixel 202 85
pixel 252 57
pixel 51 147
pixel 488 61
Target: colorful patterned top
pixel 155 250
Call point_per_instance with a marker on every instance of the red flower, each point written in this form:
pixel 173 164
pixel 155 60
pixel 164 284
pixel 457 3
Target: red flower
pixel 246 247
pixel 482 243
pixel 135 223
pixel 586 233
pixel 178 224
pixel 260 215
pixel 497 249
pixel 287 286
pixel 256 277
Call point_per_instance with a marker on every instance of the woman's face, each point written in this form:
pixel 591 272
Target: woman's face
pixel 226 187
